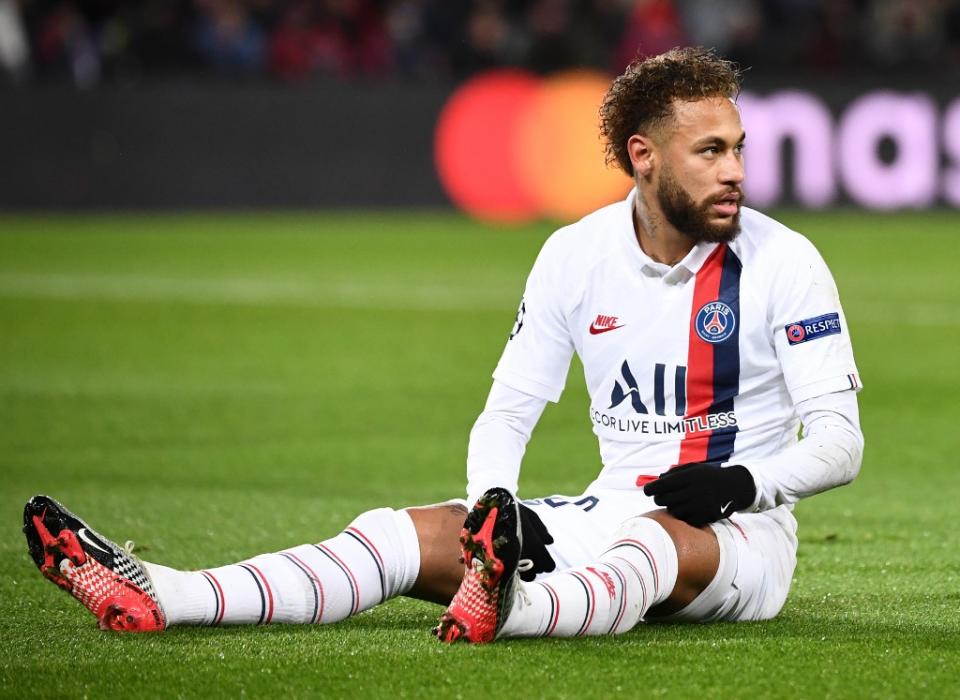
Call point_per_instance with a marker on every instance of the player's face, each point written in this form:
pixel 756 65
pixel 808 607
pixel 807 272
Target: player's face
pixel 699 185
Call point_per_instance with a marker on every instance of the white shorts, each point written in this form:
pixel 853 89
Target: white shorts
pixel 758 551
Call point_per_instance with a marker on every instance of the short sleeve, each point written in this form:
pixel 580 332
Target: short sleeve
pixel 810 331
pixel 537 357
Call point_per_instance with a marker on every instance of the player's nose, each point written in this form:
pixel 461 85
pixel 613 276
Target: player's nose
pixel 731 171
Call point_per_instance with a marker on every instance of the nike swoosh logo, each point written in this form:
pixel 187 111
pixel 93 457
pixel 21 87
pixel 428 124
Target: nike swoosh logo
pixel 597 331
pixel 723 511
pixel 82 534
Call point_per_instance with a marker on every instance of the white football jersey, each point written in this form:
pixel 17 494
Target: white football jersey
pixel 702 361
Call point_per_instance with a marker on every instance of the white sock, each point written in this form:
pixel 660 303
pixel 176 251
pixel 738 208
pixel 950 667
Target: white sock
pixel 375 558
pixel 637 571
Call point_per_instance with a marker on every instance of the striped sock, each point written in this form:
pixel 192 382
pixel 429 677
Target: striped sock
pixel 375 558
pixel 638 570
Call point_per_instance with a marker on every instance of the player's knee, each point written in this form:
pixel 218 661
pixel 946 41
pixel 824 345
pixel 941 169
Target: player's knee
pixel 637 527
pixel 390 538
pixel 377 518
pixel 438 531
pixel 438 526
pixel 698 551
pixel 387 528
pixel 697 556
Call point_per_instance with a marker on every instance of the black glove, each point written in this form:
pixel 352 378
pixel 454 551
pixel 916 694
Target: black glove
pixel 701 493
pixel 536 537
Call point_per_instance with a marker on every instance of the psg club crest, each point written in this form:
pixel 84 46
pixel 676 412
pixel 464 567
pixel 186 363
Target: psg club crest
pixel 715 322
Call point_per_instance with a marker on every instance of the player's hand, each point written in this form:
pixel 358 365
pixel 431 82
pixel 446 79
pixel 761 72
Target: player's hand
pixel 536 537
pixel 702 493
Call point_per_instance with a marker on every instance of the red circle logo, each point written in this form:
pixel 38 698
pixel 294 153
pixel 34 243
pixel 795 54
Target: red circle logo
pixel 511 147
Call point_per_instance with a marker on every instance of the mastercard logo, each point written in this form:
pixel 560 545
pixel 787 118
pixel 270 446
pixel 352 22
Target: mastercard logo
pixel 511 147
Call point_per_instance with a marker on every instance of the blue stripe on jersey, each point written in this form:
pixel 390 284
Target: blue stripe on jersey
pixel 726 361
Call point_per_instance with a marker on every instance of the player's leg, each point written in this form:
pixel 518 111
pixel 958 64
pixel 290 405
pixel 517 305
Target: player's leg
pixel 375 558
pixel 738 568
pixel 650 561
pixel 441 569
pixel 758 555
pixel 381 554
pixel 698 561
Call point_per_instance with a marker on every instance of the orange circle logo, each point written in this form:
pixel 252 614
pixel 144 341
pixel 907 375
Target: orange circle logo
pixel 511 147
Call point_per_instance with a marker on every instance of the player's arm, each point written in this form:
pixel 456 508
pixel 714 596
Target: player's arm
pixel 809 332
pixel 532 370
pixel 499 439
pixel 829 455
pixel 497 444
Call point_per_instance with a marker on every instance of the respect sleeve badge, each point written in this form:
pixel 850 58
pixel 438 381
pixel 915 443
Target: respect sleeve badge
pixel 813 328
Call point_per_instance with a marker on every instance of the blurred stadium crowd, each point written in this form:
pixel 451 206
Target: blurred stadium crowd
pixel 87 42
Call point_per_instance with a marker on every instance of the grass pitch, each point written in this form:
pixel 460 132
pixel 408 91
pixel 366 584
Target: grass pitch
pixel 213 387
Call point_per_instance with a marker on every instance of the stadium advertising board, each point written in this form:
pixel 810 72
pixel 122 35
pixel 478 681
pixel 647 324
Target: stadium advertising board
pixel 539 156
pixel 504 146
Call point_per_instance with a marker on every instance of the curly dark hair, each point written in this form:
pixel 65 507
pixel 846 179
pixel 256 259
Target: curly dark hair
pixel 642 98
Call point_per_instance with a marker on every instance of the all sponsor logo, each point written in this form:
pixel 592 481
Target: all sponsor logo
pixel 715 322
pixel 659 424
pixel 813 328
pixel 619 394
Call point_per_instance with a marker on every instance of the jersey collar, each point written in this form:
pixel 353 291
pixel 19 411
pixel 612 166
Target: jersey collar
pixel 677 274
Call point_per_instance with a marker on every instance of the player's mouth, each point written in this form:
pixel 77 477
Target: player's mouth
pixel 728 204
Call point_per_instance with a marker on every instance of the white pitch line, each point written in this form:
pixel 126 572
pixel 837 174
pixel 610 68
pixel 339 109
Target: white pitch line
pixel 358 294
pixel 255 292
pixel 130 385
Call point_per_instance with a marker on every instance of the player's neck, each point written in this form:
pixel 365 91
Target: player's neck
pixel 658 239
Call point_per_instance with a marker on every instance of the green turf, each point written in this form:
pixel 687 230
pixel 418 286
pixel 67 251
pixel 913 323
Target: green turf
pixel 217 386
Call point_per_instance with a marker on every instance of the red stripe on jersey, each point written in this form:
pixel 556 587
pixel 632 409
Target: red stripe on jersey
pixel 693 448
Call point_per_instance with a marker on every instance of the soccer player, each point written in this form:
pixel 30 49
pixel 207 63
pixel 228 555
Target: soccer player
pixel 709 334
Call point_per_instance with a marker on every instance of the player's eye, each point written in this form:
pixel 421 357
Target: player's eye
pixel 739 148
pixel 711 150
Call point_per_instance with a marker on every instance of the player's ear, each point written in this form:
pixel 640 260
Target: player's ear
pixel 640 148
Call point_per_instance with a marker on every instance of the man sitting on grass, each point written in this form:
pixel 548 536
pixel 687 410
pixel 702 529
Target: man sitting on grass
pixel 708 332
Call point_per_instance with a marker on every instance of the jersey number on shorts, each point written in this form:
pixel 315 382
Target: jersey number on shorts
pixel 588 503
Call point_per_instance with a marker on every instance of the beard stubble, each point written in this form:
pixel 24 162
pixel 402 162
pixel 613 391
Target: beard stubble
pixel 692 219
